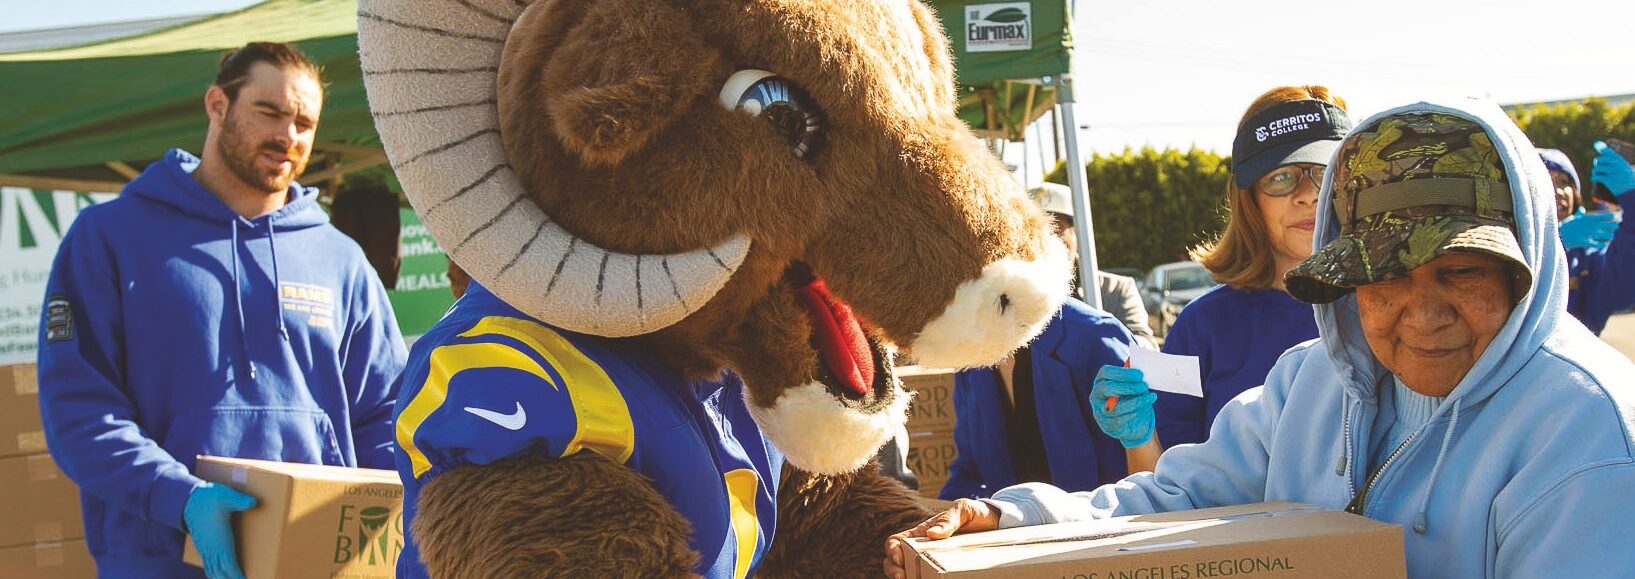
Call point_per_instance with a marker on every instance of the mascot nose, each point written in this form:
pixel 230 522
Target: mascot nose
pixel 998 312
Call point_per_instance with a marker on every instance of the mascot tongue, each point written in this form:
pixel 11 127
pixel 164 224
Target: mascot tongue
pixel 839 338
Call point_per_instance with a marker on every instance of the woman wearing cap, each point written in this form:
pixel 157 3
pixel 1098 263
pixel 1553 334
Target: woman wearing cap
pixel 1238 329
pixel 1450 393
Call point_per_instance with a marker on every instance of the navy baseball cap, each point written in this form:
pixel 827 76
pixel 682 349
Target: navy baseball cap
pixel 1304 131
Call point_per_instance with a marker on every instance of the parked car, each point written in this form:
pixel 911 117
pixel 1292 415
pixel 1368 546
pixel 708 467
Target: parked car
pixel 1170 287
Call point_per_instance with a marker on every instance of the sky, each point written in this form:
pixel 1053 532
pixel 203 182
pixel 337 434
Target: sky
pixel 1178 73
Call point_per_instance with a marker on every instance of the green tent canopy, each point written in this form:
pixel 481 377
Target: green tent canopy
pixel 85 118
pixel 79 113
pixel 1006 56
pixel 87 115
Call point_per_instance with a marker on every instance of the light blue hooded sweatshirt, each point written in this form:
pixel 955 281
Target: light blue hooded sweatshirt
pixel 1526 469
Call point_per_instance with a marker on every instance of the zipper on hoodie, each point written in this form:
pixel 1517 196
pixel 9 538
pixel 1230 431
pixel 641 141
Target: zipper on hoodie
pixel 1359 500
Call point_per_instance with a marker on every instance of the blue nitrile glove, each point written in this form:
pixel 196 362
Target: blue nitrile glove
pixel 1612 170
pixel 1588 230
pixel 208 514
pixel 1131 421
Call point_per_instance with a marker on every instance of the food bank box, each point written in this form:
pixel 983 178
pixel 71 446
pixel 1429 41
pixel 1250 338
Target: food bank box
pixel 933 404
pixel 310 520
pixel 930 453
pixel 1266 540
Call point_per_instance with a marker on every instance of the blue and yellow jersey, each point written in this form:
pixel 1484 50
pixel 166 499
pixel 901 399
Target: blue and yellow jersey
pixel 488 382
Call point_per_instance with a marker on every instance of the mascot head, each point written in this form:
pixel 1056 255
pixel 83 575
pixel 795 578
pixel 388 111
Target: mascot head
pixel 776 187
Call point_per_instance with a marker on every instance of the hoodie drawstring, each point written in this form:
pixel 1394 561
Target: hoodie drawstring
pixel 1421 522
pixel 238 303
pixel 278 286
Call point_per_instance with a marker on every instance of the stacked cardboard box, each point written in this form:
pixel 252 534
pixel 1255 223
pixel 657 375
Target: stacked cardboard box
pixel 930 425
pixel 310 520
pixel 41 534
pixel 48 560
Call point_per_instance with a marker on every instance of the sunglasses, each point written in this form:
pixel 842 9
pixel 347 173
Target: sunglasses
pixel 1284 180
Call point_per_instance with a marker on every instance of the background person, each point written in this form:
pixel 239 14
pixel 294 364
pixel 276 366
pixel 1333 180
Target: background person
pixel 1448 395
pixel 1600 250
pixel 1239 329
pixel 211 309
pixel 1120 297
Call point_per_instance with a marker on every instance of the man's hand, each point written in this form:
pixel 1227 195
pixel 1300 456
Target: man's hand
pixel 966 516
pixel 208 514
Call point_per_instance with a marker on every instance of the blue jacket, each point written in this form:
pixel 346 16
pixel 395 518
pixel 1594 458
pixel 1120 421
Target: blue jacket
pixel 1237 336
pixel 507 384
pixel 173 327
pixel 1524 470
pixel 1601 282
pixel 1066 356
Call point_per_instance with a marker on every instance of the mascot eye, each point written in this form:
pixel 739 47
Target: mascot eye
pixel 781 103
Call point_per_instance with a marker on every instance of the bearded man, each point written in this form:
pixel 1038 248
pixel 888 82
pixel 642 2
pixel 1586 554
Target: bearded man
pixel 212 310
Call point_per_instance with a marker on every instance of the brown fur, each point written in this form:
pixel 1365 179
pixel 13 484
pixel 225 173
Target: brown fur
pixel 532 516
pixel 668 169
pixel 611 121
pixel 837 526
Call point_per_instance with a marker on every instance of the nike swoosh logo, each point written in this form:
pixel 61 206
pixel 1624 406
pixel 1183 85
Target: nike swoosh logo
pixel 513 421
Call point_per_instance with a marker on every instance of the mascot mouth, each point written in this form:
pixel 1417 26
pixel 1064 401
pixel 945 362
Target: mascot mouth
pixel 836 420
pixel 854 366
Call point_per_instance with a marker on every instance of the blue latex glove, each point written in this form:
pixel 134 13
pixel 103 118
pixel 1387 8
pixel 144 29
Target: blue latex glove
pixel 1588 230
pixel 209 513
pixel 1132 420
pixel 1612 170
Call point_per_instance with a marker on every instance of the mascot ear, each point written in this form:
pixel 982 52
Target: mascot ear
pixel 624 71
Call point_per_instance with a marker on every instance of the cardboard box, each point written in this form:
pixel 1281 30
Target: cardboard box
pixel 929 454
pixel 20 429
pixel 1268 540
pixel 311 521
pixel 933 405
pixel 49 560
pixel 39 503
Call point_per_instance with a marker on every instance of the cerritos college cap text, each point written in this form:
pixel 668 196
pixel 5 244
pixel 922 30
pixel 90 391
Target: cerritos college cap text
pixel 1303 131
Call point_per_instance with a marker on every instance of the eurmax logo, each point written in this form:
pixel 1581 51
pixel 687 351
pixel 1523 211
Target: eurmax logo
pixel 370 536
pixel 998 27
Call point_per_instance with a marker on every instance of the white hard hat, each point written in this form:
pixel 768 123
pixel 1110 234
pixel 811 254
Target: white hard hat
pixel 1053 197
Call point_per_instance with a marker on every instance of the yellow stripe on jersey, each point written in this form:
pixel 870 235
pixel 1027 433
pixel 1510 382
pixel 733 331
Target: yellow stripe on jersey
pixel 604 424
pixel 742 485
pixel 446 361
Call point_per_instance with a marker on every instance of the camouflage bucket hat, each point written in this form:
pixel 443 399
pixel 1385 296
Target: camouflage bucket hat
pixel 1408 189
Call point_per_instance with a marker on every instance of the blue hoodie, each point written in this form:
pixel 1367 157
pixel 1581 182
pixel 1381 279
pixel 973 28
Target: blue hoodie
pixel 1524 470
pixel 174 328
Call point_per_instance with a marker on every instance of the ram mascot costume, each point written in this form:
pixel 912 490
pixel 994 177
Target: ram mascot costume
pixel 698 230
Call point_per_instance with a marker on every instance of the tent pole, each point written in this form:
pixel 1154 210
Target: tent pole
pixel 1084 225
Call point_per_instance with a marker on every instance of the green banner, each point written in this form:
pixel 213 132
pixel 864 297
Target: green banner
pixel 422 295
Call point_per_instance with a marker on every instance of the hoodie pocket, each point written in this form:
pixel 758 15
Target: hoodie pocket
pixel 261 432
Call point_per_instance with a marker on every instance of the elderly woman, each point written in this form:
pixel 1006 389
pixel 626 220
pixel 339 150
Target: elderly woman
pixel 1450 393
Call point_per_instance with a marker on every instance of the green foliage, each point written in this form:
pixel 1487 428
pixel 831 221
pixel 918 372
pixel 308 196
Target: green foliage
pixel 1573 126
pixel 1150 206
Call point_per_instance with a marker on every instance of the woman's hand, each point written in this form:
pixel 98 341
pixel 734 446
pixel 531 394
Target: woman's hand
pixel 1129 417
pixel 966 516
